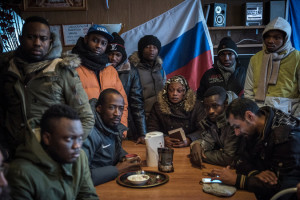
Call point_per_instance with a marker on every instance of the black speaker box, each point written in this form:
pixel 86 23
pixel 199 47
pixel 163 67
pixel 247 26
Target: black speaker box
pixel 274 9
pixel 217 15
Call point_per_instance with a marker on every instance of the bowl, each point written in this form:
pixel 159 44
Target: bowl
pixel 138 179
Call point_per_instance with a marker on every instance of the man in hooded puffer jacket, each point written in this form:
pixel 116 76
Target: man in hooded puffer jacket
pixel 273 74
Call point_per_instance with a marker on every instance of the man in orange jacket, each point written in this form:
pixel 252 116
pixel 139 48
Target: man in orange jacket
pixel 95 73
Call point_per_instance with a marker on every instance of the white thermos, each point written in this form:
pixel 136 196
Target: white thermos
pixel 153 141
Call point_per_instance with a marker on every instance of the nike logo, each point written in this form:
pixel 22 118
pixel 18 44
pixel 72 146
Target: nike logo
pixel 105 146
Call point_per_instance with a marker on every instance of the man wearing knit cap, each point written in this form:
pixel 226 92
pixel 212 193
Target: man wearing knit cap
pixel 227 72
pixel 274 72
pixel 149 65
pixel 130 78
pixel 94 72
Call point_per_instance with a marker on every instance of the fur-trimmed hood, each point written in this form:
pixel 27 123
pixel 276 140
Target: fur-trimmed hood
pixel 135 59
pixel 124 66
pixel 188 104
pixel 70 61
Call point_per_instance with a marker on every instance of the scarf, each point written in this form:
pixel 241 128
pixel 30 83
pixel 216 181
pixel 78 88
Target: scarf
pixel 270 68
pixel 226 71
pixel 89 59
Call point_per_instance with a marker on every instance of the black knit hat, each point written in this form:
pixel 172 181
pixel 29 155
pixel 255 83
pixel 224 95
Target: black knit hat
pixel 117 45
pixel 148 40
pixel 227 44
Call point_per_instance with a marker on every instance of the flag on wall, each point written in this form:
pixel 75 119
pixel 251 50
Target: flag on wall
pixel 294 20
pixel 186 44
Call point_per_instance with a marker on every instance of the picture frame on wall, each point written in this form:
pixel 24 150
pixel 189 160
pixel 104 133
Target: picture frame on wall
pixel 57 5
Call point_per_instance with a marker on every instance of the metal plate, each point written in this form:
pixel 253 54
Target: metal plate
pixel 156 179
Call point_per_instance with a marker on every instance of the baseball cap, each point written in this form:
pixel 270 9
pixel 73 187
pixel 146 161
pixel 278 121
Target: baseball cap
pixel 95 28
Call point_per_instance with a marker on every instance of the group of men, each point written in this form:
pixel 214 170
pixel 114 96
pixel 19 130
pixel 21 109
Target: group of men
pixel 55 104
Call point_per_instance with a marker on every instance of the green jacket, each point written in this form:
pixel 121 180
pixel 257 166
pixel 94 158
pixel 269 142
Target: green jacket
pixel 57 83
pixel 34 175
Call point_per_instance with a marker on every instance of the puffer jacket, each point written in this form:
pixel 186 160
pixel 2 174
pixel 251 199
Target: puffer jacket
pixel 57 83
pixel 277 149
pixel 214 77
pixel 152 79
pixel 33 174
pixel 108 78
pixel 103 148
pixel 130 79
pixel 165 118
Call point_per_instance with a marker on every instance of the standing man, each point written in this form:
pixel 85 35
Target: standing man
pixel 104 145
pixel 55 168
pixel 37 78
pixel 273 73
pixel 270 160
pixel 149 65
pixel 218 144
pixel 227 72
pixel 130 78
pixel 94 72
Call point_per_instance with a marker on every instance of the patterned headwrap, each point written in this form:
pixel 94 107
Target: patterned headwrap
pixel 175 79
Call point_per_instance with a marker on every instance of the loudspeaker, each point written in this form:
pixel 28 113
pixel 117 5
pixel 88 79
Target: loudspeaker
pixel 217 14
pixel 274 9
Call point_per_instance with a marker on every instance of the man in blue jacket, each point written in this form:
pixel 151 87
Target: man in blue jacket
pixel 104 144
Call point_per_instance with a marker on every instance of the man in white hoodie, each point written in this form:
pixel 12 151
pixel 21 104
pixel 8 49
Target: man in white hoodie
pixel 273 73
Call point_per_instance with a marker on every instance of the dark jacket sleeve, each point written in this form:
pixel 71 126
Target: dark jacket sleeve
pixel 104 174
pixel 154 121
pixel 136 103
pixel 224 156
pixel 202 88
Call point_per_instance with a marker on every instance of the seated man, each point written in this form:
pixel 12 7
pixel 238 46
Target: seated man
pixel 104 144
pixel 4 191
pixel 56 168
pixel 218 145
pixel 270 160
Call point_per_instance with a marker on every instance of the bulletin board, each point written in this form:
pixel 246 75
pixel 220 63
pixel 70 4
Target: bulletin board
pixel 72 32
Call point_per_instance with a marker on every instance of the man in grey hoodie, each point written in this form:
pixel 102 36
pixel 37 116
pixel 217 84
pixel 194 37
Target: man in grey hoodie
pixel 273 73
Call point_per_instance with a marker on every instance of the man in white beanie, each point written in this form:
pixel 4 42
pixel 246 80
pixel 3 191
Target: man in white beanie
pixel 273 73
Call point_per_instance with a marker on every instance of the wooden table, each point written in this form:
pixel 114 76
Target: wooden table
pixel 183 182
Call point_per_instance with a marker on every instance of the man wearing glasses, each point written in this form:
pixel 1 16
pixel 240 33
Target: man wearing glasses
pixel 227 72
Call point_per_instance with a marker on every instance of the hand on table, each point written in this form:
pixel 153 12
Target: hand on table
pixel 141 140
pixel 197 154
pixel 173 142
pixel 133 164
pixel 226 175
pixel 267 177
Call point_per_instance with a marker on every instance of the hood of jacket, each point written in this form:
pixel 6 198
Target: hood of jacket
pixel 124 66
pixel 102 127
pixel 135 59
pixel 187 106
pixel 31 150
pixel 280 24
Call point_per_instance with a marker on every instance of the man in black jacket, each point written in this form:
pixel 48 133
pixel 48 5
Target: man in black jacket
pixel 270 159
pixel 218 144
pixel 130 79
pixel 103 146
pixel 227 72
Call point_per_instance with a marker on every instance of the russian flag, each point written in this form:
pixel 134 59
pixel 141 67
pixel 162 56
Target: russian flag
pixel 186 44
pixel 294 20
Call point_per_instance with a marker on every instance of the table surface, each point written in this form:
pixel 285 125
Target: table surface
pixel 183 182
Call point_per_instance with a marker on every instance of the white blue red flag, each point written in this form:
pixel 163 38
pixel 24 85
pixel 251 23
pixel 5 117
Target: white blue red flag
pixel 186 44
pixel 294 20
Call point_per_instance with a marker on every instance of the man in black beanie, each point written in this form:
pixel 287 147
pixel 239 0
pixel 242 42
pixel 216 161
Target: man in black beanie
pixel 130 79
pixel 227 72
pixel 149 65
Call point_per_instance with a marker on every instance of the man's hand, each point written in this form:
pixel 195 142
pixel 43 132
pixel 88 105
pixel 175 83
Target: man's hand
pixel 141 140
pixel 169 142
pixel 133 164
pixel 226 175
pixel 267 177
pixel 184 143
pixel 197 154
